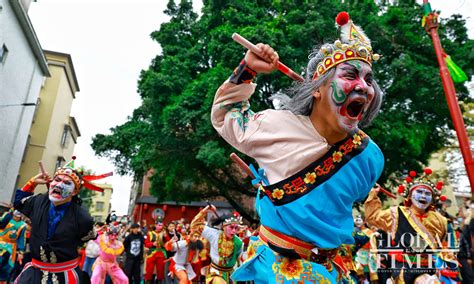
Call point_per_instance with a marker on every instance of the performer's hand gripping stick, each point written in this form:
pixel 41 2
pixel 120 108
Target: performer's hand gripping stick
pixel 281 67
pixel 212 209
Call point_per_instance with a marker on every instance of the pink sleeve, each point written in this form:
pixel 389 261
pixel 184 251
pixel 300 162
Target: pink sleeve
pixel 231 115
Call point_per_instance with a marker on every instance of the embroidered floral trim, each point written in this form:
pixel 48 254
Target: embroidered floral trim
pixel 318 172
pixel 296 269
pixel 225 249
pixel 278 193
pixel 241 112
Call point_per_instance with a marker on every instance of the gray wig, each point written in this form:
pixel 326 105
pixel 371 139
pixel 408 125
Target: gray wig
pixel 301 100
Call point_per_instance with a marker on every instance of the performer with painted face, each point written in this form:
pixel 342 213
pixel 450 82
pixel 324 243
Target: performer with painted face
pixel 316 160
pixel 155 253
pixel 187 251
pixel 417 231
pixel 225 245
pixel 12 243
pixel 106 263
pixel 59 225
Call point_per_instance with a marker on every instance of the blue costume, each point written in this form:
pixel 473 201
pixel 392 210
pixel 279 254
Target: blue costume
pixel 306 196
pixel 314 216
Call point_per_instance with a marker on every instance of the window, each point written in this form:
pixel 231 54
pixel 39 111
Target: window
pixel 97 218
pixel 3 53
pixel 65 136
pixel 59 162
pixel 99 206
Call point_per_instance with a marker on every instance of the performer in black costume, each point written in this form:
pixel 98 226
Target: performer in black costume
pixel 59 225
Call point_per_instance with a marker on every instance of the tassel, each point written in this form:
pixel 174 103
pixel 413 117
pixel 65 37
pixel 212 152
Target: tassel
pixel 92 177
pixel 456 72
pixel 92 186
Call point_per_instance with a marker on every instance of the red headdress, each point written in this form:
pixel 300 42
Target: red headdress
pixel 234 219
pixel 424 180
pixel 352 45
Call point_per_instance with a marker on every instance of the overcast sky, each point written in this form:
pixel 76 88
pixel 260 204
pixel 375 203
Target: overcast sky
pixel 109 42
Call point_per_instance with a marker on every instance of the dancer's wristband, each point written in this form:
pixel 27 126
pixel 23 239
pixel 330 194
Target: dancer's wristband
pixel 242 74
pixel 29 186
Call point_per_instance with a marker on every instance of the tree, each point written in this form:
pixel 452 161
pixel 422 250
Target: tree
pixel 171 131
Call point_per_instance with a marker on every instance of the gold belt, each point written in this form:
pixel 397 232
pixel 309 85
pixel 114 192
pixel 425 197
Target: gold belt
pixel 304 249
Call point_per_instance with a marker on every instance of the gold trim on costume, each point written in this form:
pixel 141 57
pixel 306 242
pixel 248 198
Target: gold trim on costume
pixel 419 227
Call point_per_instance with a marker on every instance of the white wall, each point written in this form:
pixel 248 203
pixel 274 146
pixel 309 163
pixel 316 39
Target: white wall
pixel 21 77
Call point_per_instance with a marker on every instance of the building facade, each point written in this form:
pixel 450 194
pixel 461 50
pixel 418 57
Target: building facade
pixel 101 206
pixel 23 68
pixel 54 132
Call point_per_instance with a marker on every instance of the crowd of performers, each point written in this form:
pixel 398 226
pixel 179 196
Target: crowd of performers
pixel 210 249
pixel 314 164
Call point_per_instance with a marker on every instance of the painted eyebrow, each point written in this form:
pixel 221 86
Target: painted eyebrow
pixel 349 67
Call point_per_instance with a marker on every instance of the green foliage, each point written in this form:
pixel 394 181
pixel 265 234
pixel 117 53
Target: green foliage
pixel 171 132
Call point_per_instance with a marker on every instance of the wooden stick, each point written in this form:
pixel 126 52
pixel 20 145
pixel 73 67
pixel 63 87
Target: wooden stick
pixel 242 165
pixel 281 67
pixel 213 211
pixel 386 192
pixel 43 171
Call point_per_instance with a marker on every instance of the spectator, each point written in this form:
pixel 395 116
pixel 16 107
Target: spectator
pixel 134 244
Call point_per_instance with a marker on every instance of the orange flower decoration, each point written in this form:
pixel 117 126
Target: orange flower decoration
pixel 310 178
pixel 291 269
pixel 337 156
pixel 278 193
pixel 357 140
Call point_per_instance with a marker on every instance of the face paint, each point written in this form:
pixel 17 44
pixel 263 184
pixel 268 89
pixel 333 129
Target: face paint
pixel 159 227
pixel 358 221
pixel 338 95
pixel 421 197
pixel 61 188
pixel 230 230
pixel 351 93
pixel 112 237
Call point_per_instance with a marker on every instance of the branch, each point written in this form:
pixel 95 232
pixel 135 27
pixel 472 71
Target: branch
pixel 221 188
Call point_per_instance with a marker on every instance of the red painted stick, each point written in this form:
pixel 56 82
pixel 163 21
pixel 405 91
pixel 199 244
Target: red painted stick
pixel 386 192
pixel 281 67
pixel 242 165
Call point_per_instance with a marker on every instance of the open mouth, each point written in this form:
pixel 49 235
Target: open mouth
pixel 355 108
pixel 422 201
pixel 56 192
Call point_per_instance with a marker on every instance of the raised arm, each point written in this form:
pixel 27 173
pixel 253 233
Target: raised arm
pixel 374 215
pixel 231 115
pixel 199 222
pixel 24 196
